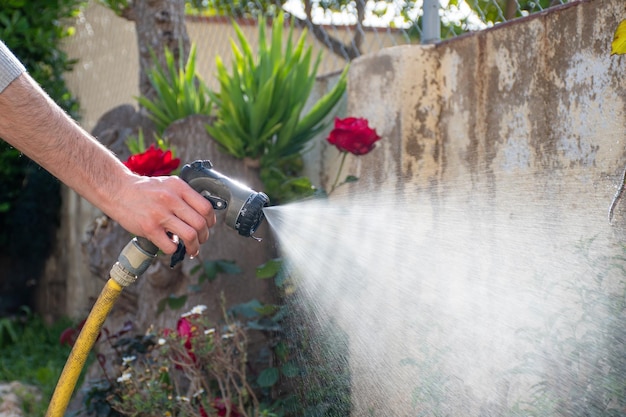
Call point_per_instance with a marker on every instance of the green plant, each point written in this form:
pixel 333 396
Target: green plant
pixel 34 357
pixel 260 104
pixel 29 196
pixel 8 334
pixel 197 369
pixel 577 354
pixel 180 92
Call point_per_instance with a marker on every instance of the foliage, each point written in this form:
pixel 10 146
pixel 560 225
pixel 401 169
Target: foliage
pixel 137 144
pixel 319 350
pixel 32 30
pixel 260 103
pixel 618 46
pixel 34 356
pixel 29 196
pixel 283 181
pixel 495 11
pixel 234 8
pixel 180 91
pixel 117 6
pixel 578 356
pixel 260 108
pixel 196 369
pixel 206 270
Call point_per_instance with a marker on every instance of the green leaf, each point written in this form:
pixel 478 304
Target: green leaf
pixel 209 271
pixel 161 306
pixel 290 370
pixel 247 310
pixel 267 310
pixel 268 377
pixel 281 350
pixel 351 178
pixel 618 46
pixel 176 303
pixel 194 288
pixel 180 92
pixel 269 269
pixel 228 267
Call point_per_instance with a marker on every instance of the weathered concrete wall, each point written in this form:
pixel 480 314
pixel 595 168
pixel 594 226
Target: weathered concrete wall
pixel 524 122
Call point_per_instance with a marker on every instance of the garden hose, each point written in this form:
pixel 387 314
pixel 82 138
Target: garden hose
pixel 132 262
pixel 244 213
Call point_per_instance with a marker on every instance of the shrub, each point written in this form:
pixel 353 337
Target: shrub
pixel 260 103
pixel 29 196
pixel 180 92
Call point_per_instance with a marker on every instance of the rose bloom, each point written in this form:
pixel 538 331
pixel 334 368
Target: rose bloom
pixel 153 162
pixel 187 331
pixel 353 135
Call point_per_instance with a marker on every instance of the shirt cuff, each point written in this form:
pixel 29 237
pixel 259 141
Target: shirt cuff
pixel 10 67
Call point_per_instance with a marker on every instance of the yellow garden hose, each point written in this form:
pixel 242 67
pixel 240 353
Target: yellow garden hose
pixel 133 261
pixel 82 347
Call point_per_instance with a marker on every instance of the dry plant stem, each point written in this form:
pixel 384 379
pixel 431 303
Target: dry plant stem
pixel 617 197
pixel 343 160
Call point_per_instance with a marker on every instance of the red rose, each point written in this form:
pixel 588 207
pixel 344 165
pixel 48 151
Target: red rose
pixel 153 162
pixel 186 331
pixel 222 406
pixel 68 337
pixel 353 135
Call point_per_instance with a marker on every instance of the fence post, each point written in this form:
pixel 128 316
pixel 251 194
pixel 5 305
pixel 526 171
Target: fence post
pixel 431 26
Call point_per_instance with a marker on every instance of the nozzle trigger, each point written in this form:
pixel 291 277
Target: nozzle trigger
pixel 179 255
pixel 180 252
pixel 216 202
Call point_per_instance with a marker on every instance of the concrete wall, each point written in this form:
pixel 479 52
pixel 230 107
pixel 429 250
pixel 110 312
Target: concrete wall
pixel 511 142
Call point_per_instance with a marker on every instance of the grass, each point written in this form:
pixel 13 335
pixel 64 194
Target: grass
pixel 30 352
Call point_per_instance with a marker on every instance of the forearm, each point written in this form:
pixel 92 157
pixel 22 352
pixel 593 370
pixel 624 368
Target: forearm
pixel 33 123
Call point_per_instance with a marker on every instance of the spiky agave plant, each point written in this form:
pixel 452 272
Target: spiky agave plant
pixel 260 102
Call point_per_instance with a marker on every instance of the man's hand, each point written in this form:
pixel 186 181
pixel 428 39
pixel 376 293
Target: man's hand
pixel 152 206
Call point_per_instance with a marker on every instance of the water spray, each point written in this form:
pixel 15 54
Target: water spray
pixel 244 213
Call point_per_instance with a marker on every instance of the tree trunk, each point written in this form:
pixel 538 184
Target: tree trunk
pixel 347 51
pixel 160 24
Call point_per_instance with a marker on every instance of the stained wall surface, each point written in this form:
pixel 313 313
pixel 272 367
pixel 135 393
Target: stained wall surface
pixel 519 129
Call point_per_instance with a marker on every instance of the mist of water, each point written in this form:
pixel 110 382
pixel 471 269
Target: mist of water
pixel 466 303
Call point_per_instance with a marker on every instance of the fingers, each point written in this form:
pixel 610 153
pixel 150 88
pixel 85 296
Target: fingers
pixel 153 206
pixel 199 204
pixel 163 241
pixel 192 217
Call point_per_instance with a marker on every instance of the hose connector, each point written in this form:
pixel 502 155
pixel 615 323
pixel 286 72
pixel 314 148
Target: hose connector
pixel 133 261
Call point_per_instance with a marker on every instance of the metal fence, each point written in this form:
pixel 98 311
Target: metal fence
pixel 351 28
pixel 105 44
pixel 406 21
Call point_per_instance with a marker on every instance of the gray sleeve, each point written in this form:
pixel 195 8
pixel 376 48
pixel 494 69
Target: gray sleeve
pixel 10 67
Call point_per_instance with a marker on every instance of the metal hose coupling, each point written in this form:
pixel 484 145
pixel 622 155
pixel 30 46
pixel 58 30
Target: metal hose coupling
pixel 133 261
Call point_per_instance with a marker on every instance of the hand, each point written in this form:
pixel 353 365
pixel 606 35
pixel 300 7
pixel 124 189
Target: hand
pixel 152 206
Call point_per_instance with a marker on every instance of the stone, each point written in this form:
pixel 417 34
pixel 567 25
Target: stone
pixel 14 396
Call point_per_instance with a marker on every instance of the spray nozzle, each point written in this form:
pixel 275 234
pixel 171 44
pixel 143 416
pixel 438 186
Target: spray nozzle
pixel 244 206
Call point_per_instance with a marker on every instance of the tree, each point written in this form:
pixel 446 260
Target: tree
pixel 496 11
pixel 160 24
